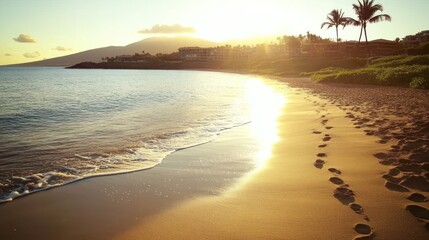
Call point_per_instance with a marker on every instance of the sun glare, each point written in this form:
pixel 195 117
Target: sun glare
pixel 238 23
pixel 266 104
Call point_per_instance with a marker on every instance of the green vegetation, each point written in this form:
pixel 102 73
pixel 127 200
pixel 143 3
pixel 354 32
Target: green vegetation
pixel 393 71
pixel 421 50
pixel 296 66
pixel 420 82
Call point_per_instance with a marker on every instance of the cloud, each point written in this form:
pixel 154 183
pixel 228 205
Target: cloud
pixel 61 48
pixel 24 38
pixel 8 55
pixel 31 54
pixel 168 29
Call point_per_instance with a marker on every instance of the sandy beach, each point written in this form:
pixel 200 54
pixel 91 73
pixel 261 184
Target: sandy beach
pixel 348 162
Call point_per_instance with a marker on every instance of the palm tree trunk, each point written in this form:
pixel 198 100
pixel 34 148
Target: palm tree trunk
pixel 336 29
pixel 360 35
pixel 366 37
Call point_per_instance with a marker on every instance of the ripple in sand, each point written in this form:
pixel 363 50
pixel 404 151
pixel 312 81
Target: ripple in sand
pixel 425 166
pixel 369 132
pixel 381 155
pixel 416 182
pixel 417 197
pixel 412 167
pixel 334 171
pixel 419 157
pixel 362 228
pixel 395 187
pixel 392 179
pixel 356 208
pixel 418 211
pixel 394 172
pixel 364 238
pixel 389 161
pixel 344 195
pixel 319 163
pixel 336 180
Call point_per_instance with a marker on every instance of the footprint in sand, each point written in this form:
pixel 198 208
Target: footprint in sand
pixel 344 195
pixel 322 155
pixel 319 163
pixel 334 171
pixel 317 132
pixel 392 179
pixel 326 139
pixel 329 127
pixel 417 197
pixel 356 208
pixel 324 121
pixel 336 180
pixel 395 187
pixel 323 145
pixel 416 182
pixel 363 228
pixel 418 211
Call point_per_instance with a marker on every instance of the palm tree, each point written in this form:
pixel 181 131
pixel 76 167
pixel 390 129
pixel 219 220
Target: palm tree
pixel 335 18
pixel 366 11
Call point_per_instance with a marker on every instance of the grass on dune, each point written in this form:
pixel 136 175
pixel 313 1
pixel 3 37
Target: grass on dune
pixel 398 70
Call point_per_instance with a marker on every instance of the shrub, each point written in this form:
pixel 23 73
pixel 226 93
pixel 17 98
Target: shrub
pixel 420 82
pixel 401 75
pixel 422 50
pixel 396 61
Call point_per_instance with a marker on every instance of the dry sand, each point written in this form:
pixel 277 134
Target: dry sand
pixel 344 169
pixel 351 162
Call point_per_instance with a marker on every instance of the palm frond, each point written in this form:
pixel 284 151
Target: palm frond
pixel 379 7
pixel 352 21
pixel 379 18
pixel 327 23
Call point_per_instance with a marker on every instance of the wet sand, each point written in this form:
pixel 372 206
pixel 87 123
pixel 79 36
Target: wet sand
pixel 350 163
pixel 102 207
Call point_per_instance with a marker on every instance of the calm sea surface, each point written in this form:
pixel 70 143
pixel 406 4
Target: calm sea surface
pixel 60 125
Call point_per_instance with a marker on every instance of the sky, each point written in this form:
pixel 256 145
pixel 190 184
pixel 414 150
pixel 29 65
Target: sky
pixel 32 30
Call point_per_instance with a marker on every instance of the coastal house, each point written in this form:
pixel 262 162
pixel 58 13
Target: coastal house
pixel 416 40
pixel 378 47
pixel 213 54
pixel 229 53
pixel 145 57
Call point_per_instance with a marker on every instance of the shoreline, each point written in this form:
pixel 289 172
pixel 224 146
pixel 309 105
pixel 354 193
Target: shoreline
pixel 95 205
pixel 293 193
pixel 334 163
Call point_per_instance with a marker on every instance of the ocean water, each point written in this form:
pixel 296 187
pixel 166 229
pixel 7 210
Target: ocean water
pixel 61 125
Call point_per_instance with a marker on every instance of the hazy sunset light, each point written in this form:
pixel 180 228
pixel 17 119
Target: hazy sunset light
pixel 82 25
pixel 225 119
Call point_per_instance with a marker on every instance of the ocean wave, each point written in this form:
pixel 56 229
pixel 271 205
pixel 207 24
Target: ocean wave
pixel 153 150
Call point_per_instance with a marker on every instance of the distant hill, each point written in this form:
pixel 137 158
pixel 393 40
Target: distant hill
pixel 150 45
